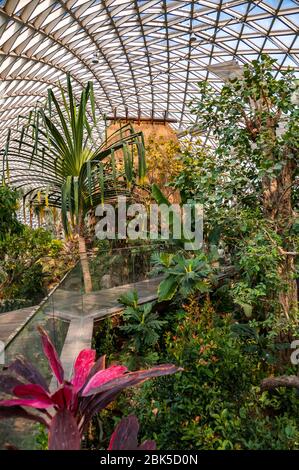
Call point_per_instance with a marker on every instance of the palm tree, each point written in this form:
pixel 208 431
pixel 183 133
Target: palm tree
pixel 57 150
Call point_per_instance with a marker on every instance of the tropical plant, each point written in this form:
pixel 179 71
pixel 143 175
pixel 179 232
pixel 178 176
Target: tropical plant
pixel 140 322
pixel 257 342
pixel 28 257
pixel 25 263
pixel 174 218
pixel 69 167
pixel 184 274
pixel 217 403
pixel 67 411
pixel 193 155
pixel 9 223
pixel 254 122
pixel 125 436
pixel 174 215
pixel 163 162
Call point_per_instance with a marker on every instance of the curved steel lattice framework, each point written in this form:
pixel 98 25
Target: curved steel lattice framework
pixel 142 55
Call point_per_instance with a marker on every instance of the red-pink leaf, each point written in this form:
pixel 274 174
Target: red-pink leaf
pixel 100 397
pixel 8 382
pixel 25 369
pixel 64 397
pixel 148 445
pixel 120 382
pixel 52 356
pixel 19 412
pixel 104 376
pixel 64 433
pixel 99 365
pixel 31 402
pixel 30 391
pixel 83 365
pixel 125 435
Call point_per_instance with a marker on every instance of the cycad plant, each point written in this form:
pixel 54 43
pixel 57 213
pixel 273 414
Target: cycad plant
pixel 64 164
pixel 184 274
pixel 141 322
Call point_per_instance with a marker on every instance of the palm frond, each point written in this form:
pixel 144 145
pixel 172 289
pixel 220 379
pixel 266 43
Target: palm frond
pixel 57 150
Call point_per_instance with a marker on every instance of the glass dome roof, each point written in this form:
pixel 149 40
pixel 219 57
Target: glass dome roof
pixel 144 56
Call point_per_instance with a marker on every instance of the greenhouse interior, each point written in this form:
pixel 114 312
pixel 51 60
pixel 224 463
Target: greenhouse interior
pixel 149 225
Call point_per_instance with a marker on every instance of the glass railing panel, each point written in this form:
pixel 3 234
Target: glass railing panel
pixel 67 300
pixel 109 269
pixel 16 431
pixel 119 266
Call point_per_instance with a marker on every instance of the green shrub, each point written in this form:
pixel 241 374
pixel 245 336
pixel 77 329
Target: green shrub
pixel 216 402
pixel 141 323
pixel 9 223
pixel 25 263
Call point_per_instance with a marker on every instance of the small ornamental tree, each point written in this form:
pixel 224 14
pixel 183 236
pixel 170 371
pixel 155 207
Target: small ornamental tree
pixel 254 121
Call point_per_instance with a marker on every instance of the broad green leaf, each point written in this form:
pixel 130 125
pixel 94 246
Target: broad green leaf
pixel 167 288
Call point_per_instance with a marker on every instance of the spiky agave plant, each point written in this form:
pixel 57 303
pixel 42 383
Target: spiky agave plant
pixel 56 149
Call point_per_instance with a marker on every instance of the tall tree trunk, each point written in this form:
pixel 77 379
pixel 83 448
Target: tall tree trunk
pixel 91 222
pixel 288 297
pixel 277 203
pixel 30 215
pixel 84 258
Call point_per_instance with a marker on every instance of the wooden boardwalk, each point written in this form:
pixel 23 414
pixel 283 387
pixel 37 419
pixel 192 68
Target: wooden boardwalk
pixel 79 336
pixel 83 311
pixel 11 322
pixel 71 305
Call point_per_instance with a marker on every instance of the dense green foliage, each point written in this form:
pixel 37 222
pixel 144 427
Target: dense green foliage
pixel 229 318
pixel 141 323
pixel 29 258
pixel 216 402
pixel 247 185
pixel 9 223
pixel 24 262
